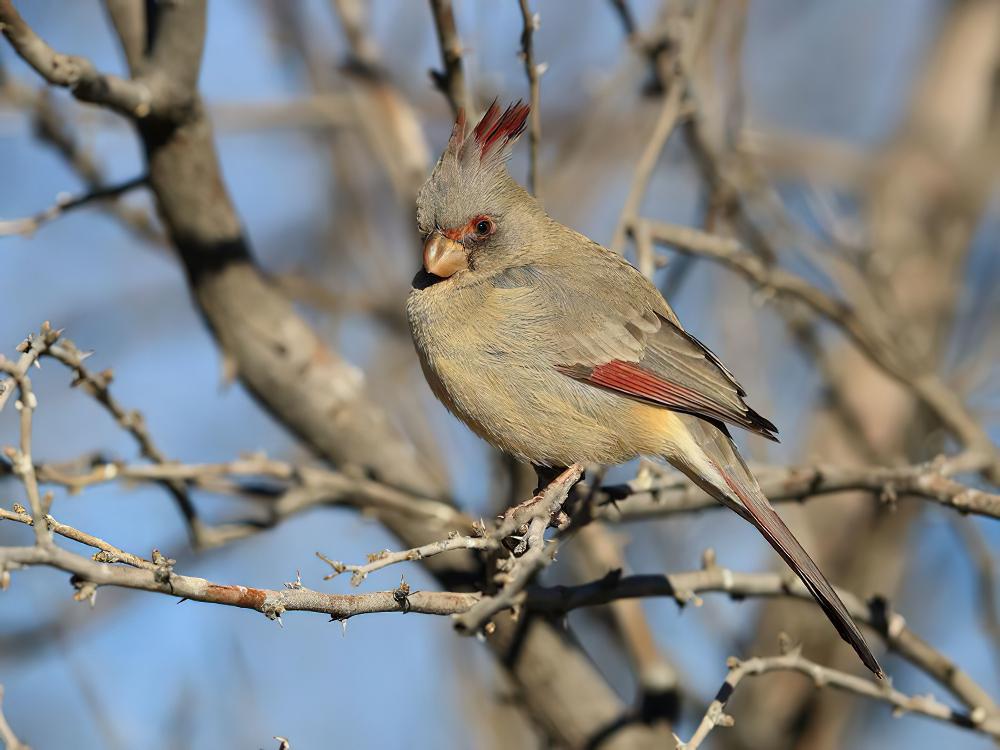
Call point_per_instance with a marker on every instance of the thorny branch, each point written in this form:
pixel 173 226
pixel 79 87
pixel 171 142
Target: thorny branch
pixel 822 677
pixel 385 558
pixel 98 386
pixel 656 492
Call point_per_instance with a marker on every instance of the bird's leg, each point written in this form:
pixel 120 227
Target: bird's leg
pixel 548 474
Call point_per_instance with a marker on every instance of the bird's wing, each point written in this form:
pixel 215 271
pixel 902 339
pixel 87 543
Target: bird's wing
pixel 643 354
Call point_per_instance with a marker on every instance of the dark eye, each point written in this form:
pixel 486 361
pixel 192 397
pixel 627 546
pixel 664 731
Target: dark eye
pixel 484 227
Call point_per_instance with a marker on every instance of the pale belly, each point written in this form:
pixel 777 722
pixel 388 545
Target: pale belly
pixel 497 380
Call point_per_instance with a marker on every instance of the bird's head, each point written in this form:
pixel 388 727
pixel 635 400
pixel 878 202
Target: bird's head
pixel 475 219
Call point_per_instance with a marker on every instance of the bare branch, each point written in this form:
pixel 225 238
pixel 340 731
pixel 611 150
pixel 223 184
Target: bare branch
pixel 31 349
pixel 925 385
pixel 450 81
pixel 530 24
pixel 98 387
pixel 269 602
pixel 20 458
pixel 385 558
pixel 685 587
pixel 64 204
pixel 537 554
pixel 111 553
pixel 670 493
pixel 133 98
pixel 925 705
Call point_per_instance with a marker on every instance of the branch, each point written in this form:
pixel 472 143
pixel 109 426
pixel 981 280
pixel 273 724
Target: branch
pixel 470 607
pixel 133 98
pixel 925 705
pixel 98 387
pixel 111 553
pixel 20 458
pixel 670 493
pixel 31 349
pixel 385 558
pixel 532 518
pixel 666 123
pixel 450 81
pixel 269 602
pixel 685 587
pixel 925 385
pixel 530 24
pixel 304 487
pixel 68 203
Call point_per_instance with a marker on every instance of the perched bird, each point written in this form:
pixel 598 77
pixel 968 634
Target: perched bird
pixel 558 351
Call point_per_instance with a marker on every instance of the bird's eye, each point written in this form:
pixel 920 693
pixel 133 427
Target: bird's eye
pixel 485 227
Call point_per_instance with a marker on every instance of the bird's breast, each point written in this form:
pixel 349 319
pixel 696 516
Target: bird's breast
pixel 492 365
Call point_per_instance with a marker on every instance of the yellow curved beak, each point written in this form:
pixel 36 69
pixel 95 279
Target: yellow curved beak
pixel 444 257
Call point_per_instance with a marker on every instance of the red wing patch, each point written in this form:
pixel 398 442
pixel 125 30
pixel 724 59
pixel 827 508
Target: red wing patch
pixel 633 380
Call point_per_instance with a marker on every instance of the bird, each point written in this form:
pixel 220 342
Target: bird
pixel 557 351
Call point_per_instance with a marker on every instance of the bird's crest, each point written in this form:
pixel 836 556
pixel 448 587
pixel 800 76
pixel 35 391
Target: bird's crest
pixel 492 138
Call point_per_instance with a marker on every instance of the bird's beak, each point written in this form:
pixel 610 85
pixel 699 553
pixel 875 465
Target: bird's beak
pixel 444 257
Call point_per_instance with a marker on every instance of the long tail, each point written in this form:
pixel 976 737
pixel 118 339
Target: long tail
pixel 734 486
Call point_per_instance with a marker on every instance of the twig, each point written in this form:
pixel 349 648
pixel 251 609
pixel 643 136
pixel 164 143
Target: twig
pixel 111 554
pixel 271 603
pixel 666 122
pixel 20 458
pixel 64 204
pixel 537 553
pixel 530 24
pixel 52 127
pixel 385 558
pixel 926 386
pixel 7 736
pixel 31 349
pixel 685 587
pixel 925 705
pixel 671 493
pixel 450 81
pixel 134 98
pixel 98 387
pixel 304 486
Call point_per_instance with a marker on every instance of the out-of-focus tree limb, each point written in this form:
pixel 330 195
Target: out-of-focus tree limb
pixel 134 98
pixel 530 22
pixel 7 736
pixel 63 205
pixel 451 80
pixel 925 385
